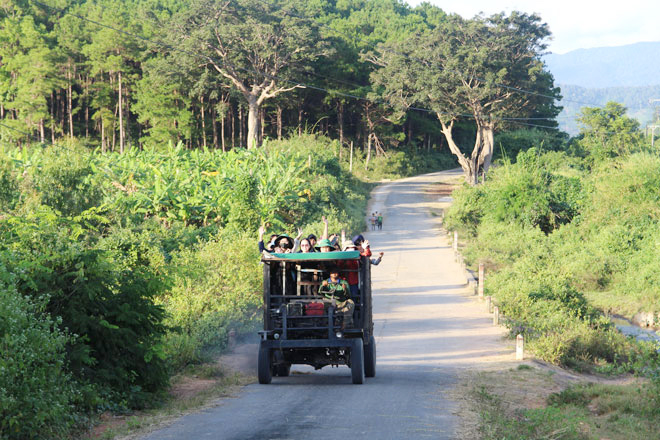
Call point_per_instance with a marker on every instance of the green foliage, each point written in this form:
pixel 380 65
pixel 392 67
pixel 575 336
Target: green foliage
pixel 563 243
pixel 607 133
pixel 36 392
pixel 64 182
pixel 104 297
pixel 528 193
pixel 8 185
pixel 216 287
pixel 509 143
pixel 149 258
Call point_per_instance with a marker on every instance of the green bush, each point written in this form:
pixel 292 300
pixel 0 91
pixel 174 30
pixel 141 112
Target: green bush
pixel 65 182
pixel 36 392
pixel 8 185
pixel 104 297
pixel 216 286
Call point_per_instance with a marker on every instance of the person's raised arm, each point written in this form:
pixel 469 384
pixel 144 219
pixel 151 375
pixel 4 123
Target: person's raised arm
pixel 296 241
pixel 325 228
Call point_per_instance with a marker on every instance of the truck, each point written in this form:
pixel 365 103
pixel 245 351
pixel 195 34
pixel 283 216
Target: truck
pixel 300 327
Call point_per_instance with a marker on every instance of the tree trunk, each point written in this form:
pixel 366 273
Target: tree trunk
pixel 127 118
pixel 87 107
pixel 253 123
pixel 340 121
pixel 279 122
pixel 42 132
pixel 262 125
pixel 70 101
pixel 214 116
pixel 240 127
pixel 366 162
pixel 103 146
pixel 233 124
pixel 470 173
pixel 488 145
pixel 222 133
pixel 121 116
pixel 203 114
pixel 52 117
pixel 300 117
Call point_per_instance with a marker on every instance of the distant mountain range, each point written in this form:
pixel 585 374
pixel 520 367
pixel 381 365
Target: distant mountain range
pixel 628 74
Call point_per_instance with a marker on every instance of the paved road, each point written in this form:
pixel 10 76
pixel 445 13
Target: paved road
pixel 426 329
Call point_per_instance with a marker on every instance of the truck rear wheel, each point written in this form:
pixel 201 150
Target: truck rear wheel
pixel 370 358
pixel 264 367
pixel 357 361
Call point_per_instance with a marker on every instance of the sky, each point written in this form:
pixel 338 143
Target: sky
pixel 575 24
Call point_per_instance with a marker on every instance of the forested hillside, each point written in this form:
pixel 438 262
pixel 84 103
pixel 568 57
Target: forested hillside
pixel 635 99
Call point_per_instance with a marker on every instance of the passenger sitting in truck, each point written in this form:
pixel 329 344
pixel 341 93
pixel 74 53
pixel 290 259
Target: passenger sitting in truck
pixel 334 288
pixel 324 245
pixel 312 241
pixel 305 246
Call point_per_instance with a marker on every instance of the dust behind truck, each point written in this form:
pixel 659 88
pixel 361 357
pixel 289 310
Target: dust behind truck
pixel 301 327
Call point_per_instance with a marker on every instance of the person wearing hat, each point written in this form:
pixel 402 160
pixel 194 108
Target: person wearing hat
pixel 362 245
pixel 324 245
pixel 336 291
pixel 283 244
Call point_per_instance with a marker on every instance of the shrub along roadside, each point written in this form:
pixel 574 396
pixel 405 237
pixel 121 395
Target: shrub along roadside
pixel 37 394
pixel 554 238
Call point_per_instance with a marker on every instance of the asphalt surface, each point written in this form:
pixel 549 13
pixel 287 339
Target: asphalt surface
pixel 427 329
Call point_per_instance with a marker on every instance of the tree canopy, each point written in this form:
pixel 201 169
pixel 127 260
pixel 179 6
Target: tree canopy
pixel 227 74
pixel 486 70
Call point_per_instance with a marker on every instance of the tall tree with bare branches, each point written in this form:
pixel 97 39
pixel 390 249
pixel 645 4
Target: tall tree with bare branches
pixel 256 45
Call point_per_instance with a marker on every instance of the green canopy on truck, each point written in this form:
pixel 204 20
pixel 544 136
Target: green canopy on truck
pixel 312 256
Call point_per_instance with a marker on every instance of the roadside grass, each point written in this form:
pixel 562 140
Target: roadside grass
pixel 196 387
pixel 528 403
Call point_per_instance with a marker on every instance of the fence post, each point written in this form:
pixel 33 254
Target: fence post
pixel 496 315
pixel 482 271
pixel 455 241
pixel 488 302
pixel 350 164
pixel 520 348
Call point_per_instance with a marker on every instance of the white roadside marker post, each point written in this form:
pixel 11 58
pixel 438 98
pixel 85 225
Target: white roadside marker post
pixel 520 348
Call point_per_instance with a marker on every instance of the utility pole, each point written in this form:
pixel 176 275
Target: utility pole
pixel 654 126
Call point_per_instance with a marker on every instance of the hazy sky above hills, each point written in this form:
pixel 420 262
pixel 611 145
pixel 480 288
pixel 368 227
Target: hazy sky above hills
pixel 575 24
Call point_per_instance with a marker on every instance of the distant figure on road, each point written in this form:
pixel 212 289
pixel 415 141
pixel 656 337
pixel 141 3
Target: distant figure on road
pixel 379 221
pixel 372 220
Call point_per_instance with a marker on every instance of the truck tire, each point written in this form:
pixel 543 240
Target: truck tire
pixel 370 358
pixel 282 370
pixel 264 367
pixel 357 361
